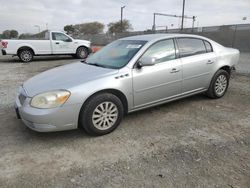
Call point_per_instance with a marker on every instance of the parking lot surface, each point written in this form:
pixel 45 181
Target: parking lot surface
pixel 194 142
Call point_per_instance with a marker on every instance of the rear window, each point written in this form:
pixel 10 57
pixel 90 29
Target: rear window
pixel 190 46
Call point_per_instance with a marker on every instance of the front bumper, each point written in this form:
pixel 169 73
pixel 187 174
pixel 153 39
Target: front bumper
pixel 47 120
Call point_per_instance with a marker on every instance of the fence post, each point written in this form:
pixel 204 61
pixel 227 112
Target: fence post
pixel 234 36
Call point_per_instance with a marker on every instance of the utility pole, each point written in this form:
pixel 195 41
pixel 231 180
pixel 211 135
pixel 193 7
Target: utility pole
pixel 122 17
pixel 194 17
pixel 182 17
pixel 153 28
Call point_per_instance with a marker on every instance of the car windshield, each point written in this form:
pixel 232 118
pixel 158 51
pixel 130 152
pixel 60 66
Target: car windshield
pixel 116 55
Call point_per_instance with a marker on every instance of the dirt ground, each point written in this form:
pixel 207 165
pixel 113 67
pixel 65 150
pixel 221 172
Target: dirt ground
pixel 194 142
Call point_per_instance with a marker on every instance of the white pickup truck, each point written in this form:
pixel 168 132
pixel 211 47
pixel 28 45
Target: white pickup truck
pixel 53 43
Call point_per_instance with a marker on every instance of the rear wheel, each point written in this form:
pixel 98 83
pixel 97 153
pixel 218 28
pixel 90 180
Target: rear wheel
pixel 219 84
pixel 26 55
pixel 101 114
pixel 82 53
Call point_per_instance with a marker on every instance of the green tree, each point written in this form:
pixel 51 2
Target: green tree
pixel 89 28
pixel 69 29
pixel 24 36
pixel 116 27
pixel 8 34
pixel 13 33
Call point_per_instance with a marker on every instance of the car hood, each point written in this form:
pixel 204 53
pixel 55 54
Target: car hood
pixel 65 77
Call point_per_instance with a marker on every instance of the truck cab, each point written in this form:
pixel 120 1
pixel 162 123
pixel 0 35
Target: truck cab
pixel 49 43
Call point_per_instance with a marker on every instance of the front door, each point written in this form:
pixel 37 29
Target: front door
pixel 152 84
pixel 62 44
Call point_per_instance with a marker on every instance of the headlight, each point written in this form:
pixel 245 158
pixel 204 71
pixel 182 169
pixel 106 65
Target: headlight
pixel 51 99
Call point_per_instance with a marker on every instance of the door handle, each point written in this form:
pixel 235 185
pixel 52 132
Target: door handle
pixel 210 62
pixel 57 42
pixel 174 70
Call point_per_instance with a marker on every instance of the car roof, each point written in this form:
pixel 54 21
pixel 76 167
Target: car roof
pixel 153 37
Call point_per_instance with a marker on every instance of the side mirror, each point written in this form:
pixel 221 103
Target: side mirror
pixel 146 61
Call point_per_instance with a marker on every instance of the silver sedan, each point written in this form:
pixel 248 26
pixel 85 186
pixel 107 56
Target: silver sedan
pixel 127 75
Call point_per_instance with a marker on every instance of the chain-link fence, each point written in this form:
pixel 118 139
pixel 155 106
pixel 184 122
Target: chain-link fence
pixel 237 36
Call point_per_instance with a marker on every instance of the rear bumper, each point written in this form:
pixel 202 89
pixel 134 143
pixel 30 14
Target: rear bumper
pixel 3 52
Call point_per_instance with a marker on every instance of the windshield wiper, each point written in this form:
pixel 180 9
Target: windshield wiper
pixel 99 65
pixel 96 64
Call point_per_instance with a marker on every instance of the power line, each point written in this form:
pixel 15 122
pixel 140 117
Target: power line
pixel 172 15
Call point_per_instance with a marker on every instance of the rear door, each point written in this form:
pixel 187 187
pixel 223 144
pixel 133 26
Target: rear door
pixel 152 84
pixel 197 61
pixel 62 44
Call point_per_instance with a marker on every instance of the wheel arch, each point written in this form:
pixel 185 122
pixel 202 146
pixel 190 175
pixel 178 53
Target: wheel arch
pixel 25 48
pixel 115 92
pixel 226 68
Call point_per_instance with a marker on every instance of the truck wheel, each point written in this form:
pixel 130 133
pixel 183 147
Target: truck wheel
pixel 101 114
pixel 218 85
pixel 82 53
pixel 25 55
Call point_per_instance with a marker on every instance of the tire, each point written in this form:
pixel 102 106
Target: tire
pixel 26 55
pixel 218 85
pixel 101 114
pixel 82 53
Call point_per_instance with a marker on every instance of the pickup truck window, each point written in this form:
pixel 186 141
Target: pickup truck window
pixel 61 37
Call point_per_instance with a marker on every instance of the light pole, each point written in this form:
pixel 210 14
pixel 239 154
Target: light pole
pixel 39 29
pixel 122 17
pixel 182 17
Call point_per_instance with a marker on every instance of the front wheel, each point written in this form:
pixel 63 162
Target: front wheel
pixel 101 114
pixel 219 84
pixel 82 53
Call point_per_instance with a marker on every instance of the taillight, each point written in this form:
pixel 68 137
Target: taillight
pixel 4 44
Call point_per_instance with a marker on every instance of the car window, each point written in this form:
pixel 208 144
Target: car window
pixel 190 46
pixel 162 51
pixel 208 46
pixel 117 54
pixel 60 36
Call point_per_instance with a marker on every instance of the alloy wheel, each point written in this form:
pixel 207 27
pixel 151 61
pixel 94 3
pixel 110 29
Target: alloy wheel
pixel 105 115
pixel 221 85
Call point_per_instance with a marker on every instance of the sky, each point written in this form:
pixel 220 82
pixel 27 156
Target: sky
pixel 23 15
